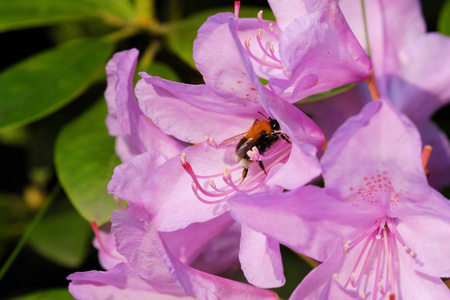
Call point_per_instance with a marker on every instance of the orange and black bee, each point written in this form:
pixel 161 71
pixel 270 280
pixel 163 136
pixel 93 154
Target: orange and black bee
pixel 262 135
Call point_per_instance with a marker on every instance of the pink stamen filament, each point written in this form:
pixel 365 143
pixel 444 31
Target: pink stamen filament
pixel 257 59
pixel 100 241
pixel 383 233
pixel 251 184
pixel 270 55
pixel 237 6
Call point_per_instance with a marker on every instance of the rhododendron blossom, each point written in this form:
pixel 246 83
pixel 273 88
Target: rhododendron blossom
pixel 375 222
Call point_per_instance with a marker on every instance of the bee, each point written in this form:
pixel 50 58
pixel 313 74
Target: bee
pixel 262 135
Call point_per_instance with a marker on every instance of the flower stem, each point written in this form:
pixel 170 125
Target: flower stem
pixel 27 234
pixel 372 85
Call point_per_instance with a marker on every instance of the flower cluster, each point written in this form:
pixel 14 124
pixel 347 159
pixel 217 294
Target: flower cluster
pixel 224 172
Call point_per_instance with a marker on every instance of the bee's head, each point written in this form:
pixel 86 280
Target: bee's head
pixel 274 124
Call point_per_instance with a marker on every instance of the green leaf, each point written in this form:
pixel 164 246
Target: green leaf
pixel 62 236
pixel 17 14
pixel 444 19
pixel 85 159
pixel 59 294
pixel 36 87
pixel 182 33
pixel 326 94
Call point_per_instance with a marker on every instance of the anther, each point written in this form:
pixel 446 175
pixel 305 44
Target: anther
pixel 212 183
pixel 413 254
pixel 378 237
pixel 335 276
pixel 362 295
pixel 194 187
pixel 353 278
pixel 183 159
pixel 247 41
pixel 259 33
pixel 347 246
pixel 260 15
pixel 407 249
pixel 271 27
pixel 380 287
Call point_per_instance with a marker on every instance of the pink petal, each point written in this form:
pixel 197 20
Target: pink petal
pixel 221 254
pixel 218 59
pixel 130 177
pixel 378 140
pixel 305 55
pixel 149 258
pixel 191 112
pixel 332 112
pixel 307 220
pixel 425 227
pixel 170 197
pixel 118 283
pixel 287 11
pixel 420 88
pixel 301 168
pixel 260 259
pixel 107 255
pixel 125 118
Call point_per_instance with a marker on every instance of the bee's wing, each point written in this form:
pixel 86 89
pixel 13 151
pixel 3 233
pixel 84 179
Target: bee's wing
pixel 232 140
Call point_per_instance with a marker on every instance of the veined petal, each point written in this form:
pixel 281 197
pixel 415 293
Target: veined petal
pixel 332 112
pixel 425 228
pixel 378 150
pixel 191 112
pixel 292 120
pixel 168 193
pixel 301 168
pixel 287 11
pixel 307 220
pixel 315 46
pixel 119 283
pixel 150 259
pixel 420 88
pixel 218 58
pixel 260 259
pixel 140 132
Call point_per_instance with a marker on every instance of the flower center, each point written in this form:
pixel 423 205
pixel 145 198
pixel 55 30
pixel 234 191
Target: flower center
pixel 208 191
pixel 375 269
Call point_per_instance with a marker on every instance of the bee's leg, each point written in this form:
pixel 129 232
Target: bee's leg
pixel 244 174
pixel 285 137
pixel 261 165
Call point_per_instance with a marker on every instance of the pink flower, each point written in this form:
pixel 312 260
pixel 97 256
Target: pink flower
pixel 152 272
pixel 379 225
pixel 408 67
pixel 301 54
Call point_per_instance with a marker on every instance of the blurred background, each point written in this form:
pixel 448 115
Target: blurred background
pixel 56 157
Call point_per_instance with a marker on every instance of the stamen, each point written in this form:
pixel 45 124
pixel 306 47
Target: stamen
pixel 426 153
pixel 260 15
pixel 271 27
pixel 362 295
pixel 257 59
pixel 237 5
pixel 254 154
pixel 99 239
pixel 117 200
pixel 335 276
pixel 270 55
pixel 372 85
